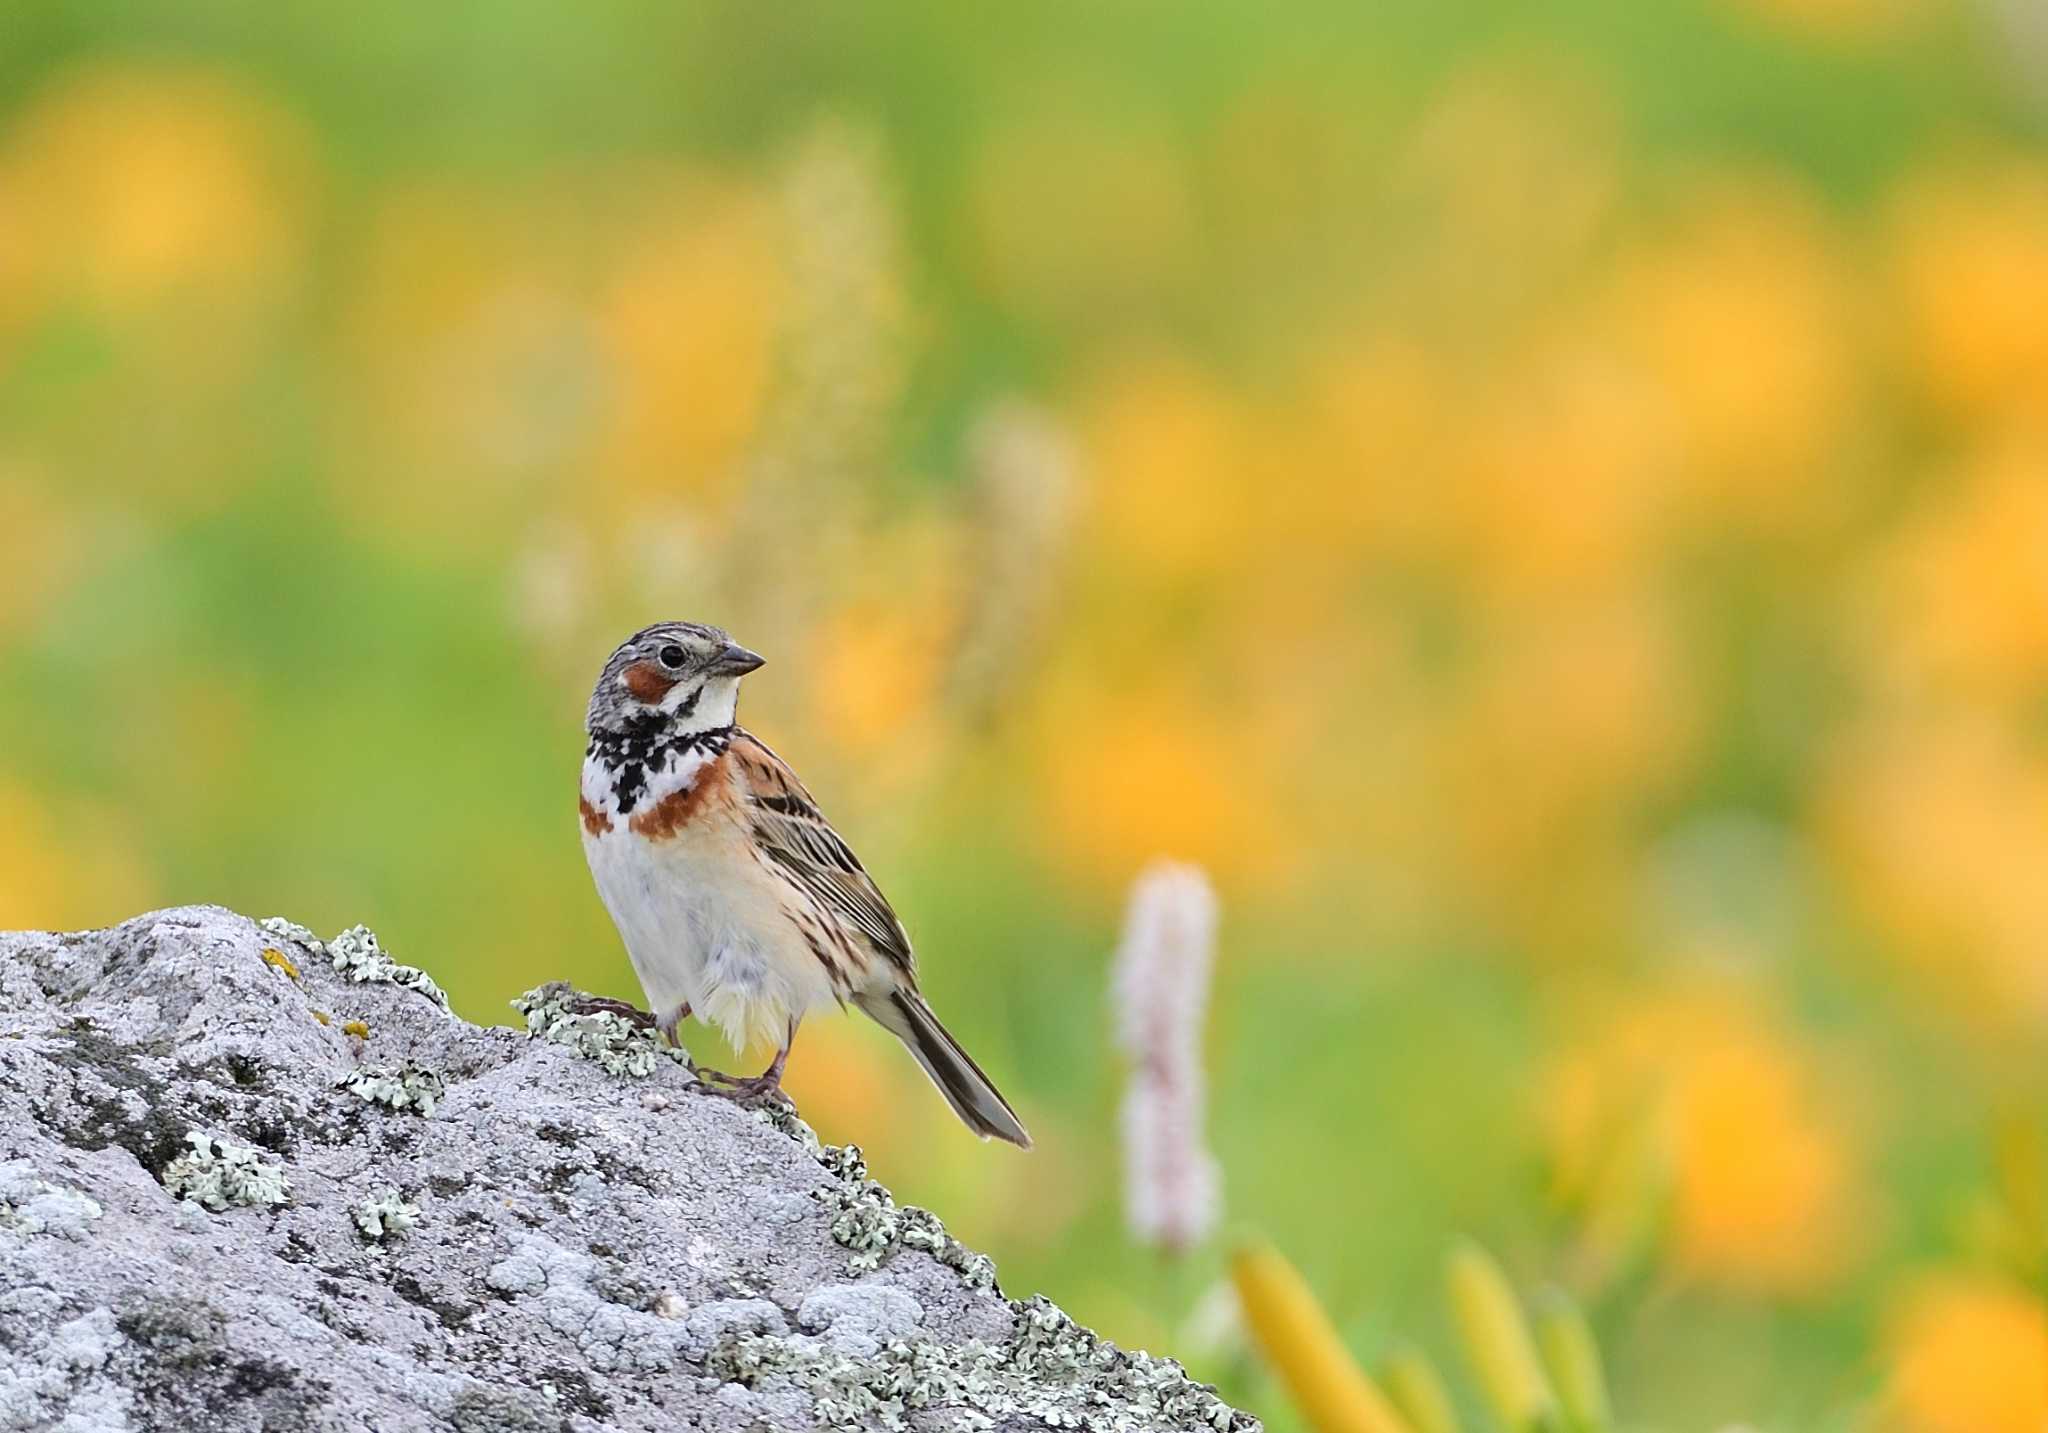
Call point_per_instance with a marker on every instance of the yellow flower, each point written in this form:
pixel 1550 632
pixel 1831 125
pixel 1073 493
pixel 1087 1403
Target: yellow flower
pixel 1505 184
pixel 1761 1183
pixel 476 370
pixel 133 181
pixel 1959 604
pixel 1378 415
pixel 1169 451
pixel 1972 262
pixel 1969 1354
pixel 1837 20
pixel 1938 827
pixel 1160 773
pixel 41 542
pixel 1064 215
pixel 1574 715
pixel 875 664
pixel 1560 477
pixel 1741 316
pixel 687 323
pixel 81 872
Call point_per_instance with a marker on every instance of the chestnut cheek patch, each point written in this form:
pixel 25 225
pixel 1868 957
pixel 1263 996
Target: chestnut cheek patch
pixel 648 683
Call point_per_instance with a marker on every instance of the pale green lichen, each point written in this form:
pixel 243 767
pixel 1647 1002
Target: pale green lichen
pixel 219 1174
pixel 294 932
pixel 867 1219
pixel 1051 1371
pixel 397 1087
pixel 358 957
pixel 782 1116
pixel 619 1046
pixel 385 1213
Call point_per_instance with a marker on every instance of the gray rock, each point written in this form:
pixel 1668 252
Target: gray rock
pixel 392 1219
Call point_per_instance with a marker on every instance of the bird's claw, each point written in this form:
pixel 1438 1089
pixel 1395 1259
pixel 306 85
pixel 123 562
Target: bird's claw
pixel 743 1089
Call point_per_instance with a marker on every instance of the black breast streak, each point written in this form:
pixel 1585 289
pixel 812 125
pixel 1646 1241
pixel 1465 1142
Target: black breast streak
pixel 646 745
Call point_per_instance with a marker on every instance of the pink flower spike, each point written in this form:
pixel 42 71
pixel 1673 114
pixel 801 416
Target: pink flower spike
pixel 1173 1187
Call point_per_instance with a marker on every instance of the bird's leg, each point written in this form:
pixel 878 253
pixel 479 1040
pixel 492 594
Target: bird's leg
pixel 766 1085
pixel 673 1023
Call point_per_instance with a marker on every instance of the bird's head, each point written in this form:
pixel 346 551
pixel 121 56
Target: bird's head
pixel 679 676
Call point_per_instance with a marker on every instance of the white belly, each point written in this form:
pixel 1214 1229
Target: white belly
pixel 702 921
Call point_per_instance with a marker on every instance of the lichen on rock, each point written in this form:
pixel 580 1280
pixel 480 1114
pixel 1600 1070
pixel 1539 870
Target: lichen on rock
pixel 359 958
pixel 867 1219
pixel 400 1087
pixel 220 1174
pixel 385 1213
pixel 1050 1373
pixel 618 1046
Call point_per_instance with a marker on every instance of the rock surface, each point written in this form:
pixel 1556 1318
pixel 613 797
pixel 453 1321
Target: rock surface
pixel 253 1180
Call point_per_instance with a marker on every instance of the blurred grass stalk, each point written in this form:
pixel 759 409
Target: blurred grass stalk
pixel 1302 1346
pixel 1418 1391
pixel 1572 1355
pixel 1561 1390
pixel 1498 1343
pixel 2022 1183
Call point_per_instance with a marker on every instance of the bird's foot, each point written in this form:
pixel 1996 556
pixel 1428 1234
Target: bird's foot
pixel 744 1089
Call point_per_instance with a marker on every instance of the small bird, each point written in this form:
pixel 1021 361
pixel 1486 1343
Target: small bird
pixel 736 899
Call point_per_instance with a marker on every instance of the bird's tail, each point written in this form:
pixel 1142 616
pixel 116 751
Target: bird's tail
pixel 981 1107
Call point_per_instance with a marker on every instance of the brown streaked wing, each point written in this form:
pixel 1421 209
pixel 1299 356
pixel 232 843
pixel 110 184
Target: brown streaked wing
pixel 795 835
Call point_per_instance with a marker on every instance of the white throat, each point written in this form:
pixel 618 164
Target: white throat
pixel 705 705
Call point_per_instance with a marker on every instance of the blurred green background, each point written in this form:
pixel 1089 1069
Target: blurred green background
pixel 1547 505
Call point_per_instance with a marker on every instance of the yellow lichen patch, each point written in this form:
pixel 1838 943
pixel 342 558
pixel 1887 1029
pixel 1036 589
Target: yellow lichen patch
pixel 273 956
pixel 323 1017
pixel 356 1028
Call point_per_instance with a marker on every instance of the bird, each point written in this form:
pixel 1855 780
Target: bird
pixel 736 899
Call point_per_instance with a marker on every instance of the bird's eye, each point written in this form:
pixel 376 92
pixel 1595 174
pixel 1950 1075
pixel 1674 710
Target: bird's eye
pixel 671 656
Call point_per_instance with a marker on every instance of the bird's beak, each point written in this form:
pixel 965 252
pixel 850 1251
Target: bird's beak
pixel 733 660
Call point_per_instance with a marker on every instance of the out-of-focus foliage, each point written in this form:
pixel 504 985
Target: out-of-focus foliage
pixel 1548 506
